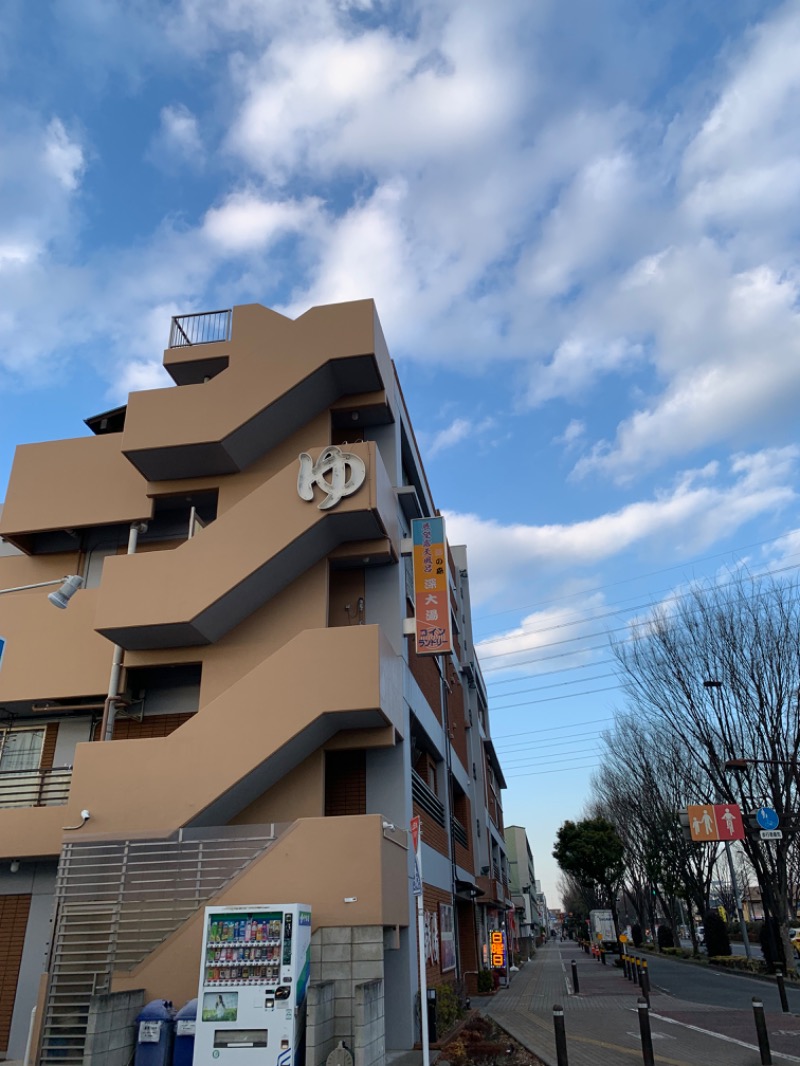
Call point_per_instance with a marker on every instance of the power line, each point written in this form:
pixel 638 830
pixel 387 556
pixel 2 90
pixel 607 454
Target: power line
pixel 553 699
pixel 560 770
pixel 554 684
pixel 553 756
pixel 640 577
pixel 539 744
pixel 553 728
pixel 619 629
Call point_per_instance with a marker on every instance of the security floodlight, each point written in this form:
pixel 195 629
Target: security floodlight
pixel 61 597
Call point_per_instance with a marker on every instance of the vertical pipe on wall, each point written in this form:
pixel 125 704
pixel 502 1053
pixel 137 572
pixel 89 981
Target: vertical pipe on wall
pixel 110 709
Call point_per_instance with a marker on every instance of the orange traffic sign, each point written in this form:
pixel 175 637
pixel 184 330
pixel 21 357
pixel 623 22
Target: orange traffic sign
pixel 715 821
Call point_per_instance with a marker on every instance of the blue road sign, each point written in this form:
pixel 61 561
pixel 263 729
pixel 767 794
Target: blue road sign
pixel 767 817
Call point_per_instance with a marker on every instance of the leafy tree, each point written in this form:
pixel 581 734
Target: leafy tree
pixel 591 852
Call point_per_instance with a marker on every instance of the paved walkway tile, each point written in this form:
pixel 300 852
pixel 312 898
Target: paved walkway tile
pixel 602 1022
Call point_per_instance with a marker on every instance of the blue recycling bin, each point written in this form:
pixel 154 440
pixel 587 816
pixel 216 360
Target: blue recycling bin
pixel 185 1022
pixel 154 1034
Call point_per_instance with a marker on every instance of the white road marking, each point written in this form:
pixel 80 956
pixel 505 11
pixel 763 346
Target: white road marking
pixel 719 1036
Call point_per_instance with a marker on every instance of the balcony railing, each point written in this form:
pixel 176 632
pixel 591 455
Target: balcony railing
pixel 203 328
pixel 35 788
pixel 426 798
pixel 460 833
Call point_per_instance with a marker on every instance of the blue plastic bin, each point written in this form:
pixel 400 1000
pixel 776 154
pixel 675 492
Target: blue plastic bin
pixel 185 1022
pixel 155 1033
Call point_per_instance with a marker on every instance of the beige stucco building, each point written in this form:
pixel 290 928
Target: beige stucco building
pixel 232 695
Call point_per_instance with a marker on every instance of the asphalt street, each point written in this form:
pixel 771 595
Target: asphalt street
pixel 716 988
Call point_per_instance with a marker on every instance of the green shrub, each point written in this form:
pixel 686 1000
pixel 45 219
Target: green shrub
pixel 678 953
pixel 448 1007
pixel 485 982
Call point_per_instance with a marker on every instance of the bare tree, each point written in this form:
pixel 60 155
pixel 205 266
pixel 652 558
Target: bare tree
pixel 646 778
pixel 744 637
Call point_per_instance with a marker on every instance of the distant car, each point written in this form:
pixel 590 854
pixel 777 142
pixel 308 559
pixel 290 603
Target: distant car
pixel 701 934
pixel 794 936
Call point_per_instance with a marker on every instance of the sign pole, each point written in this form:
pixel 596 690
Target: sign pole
pixel 737 896
pixel 416 837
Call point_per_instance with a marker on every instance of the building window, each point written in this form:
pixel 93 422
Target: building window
pixel 21 749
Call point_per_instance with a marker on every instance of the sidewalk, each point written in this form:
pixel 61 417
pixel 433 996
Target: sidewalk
pixel 602 1022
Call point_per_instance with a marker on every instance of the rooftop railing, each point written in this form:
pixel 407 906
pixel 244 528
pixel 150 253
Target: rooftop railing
pixel 206 327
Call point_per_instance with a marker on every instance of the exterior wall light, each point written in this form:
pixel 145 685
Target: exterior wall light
pixel 61 597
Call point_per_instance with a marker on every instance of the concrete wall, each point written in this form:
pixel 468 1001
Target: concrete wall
pixel 348 956
pixel 369 1043
pixel 320 1037
pixel 111 1032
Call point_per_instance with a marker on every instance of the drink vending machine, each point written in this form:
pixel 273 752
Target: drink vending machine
pixel 253 981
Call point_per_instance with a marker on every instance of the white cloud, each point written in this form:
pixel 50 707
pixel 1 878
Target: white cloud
pixel 460 429
pixel 178 139
pixel 700 508
pixel 247 222
pixel 62 156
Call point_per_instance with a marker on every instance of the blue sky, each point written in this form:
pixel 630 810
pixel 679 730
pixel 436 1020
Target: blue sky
pixel 579 222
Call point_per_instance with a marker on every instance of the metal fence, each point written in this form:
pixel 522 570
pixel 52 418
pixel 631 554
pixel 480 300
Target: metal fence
pixel 117 901
pixel 203 328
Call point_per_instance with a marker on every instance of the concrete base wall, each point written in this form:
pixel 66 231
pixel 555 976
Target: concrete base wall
pixel 347 956
pixel 369 1047
pixel 320 1016
pixel 111 1032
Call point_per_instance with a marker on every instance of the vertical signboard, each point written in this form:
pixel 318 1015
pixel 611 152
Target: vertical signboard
pixel 497 949
pixel 431 587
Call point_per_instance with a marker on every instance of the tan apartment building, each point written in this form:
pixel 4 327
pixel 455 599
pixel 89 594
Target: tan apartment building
pixel 230 709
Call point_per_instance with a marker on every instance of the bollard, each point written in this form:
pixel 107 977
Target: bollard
pixel 647 1037
pixel 625 966
pixel 630 968
pixel 761 1031
pixel 561 1035
pixel 602 956
pixel 637 973
pixel 646 982
pixel 782 989
pixel 575 986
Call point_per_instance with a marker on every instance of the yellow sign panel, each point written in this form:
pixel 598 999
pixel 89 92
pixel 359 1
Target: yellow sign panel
pixel 497 948
pixel 623 939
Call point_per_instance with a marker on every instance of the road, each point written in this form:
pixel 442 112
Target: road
pixel 716 988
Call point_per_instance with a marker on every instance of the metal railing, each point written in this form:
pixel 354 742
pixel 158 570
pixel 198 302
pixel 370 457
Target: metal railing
pixel 35 788
pixel 116 901
pixel 427 798
pixel 459 833
pixel 206 327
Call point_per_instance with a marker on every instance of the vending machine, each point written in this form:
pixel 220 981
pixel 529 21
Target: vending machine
pixel 253 981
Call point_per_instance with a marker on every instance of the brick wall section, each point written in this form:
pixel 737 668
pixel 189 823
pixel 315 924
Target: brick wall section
pixel 457 720
pixel 152 725
pixel 431 898
pixel 320 1021
pixel 433 834
pixel 468 945
pixel 426 674
pixel 464 856
pixel 110 1031
pixel 347 956
pixel 14 912
pixel 369 1038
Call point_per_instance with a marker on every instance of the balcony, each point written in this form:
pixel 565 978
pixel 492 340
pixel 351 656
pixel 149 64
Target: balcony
pixel 35 788
pixel 203 328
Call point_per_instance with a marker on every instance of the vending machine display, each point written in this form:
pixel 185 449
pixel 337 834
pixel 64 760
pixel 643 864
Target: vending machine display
pixel 253 980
